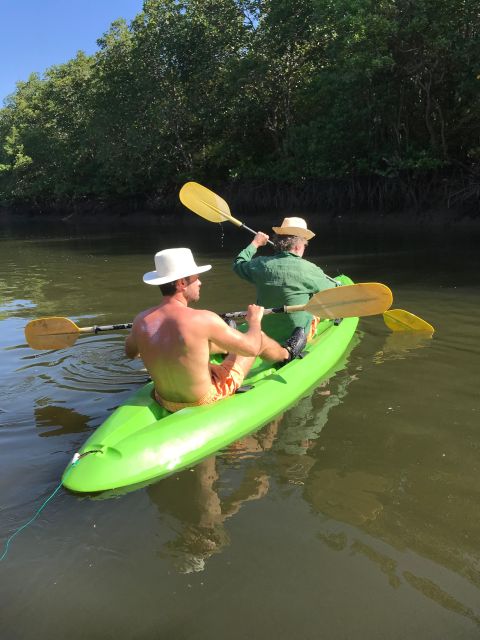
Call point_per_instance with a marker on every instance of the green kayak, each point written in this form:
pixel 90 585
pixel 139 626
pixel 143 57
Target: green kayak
pixel 141 441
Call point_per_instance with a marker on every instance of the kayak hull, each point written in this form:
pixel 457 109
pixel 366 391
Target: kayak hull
pixel 141 441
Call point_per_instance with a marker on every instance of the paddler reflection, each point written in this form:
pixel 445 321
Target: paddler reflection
pixel 201 500
pixel 198 500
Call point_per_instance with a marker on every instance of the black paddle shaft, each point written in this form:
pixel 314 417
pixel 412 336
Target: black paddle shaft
pixel 255 233
pixel 107 327
pixel 242 314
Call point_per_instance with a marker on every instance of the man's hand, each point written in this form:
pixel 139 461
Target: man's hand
pixel 260 239
pixel 254 315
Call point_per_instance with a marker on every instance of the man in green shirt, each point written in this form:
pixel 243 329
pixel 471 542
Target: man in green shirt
pixel 285 278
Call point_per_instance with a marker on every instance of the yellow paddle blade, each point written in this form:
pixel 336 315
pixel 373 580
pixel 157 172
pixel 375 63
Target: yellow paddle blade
pixel 51 333
pixel 401 320
pixel 53 342
pixel 352 300
pixel 206 203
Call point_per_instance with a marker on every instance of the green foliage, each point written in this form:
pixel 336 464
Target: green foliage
pixel 268 89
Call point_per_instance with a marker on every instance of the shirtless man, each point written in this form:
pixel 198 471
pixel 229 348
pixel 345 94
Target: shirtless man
pixel 175 341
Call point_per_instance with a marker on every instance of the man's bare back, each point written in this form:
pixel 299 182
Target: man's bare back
pixel 175 342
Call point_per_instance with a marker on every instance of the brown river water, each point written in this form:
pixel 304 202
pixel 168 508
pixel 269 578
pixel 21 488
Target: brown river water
pixel 355 514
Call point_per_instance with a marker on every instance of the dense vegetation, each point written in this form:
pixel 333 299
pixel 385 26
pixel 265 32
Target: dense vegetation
pixel 349 103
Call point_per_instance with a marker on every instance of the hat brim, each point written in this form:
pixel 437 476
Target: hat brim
pixel 306 234
pixel 152 276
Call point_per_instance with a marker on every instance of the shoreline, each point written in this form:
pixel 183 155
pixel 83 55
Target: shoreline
pixel 435 219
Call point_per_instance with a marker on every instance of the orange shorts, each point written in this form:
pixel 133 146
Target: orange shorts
pixel 226 378
pixel 313 328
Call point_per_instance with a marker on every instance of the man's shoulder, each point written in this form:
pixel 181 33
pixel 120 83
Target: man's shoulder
pixel 143 314
pixel 202 315
pixel 200 311
pixel 310 265
pixel 203 323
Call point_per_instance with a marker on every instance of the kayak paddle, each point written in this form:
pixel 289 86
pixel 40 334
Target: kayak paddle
pixel 349 301
pixel 362 299
pixel 209 205
pixel 58 333
pixel 401 320
pixel 212 207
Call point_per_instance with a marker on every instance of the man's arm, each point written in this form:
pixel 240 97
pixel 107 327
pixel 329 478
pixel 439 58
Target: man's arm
pixel 318 280
pixel 131 348
pixel 233 341
pixel 241 264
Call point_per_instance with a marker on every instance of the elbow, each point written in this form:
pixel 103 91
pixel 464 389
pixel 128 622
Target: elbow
pixel 247 350
pixel 252 350
pixel 131 352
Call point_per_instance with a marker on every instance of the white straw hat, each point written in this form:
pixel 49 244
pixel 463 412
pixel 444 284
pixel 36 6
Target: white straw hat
pixel 173 264
pixel 294 227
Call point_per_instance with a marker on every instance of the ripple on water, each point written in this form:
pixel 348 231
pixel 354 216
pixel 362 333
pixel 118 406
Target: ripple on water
pixel 15 306
pixel 96 363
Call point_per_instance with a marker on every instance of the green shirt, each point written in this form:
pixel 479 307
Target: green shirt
pixel 281 279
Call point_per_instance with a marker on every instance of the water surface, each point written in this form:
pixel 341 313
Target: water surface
pixel 353 515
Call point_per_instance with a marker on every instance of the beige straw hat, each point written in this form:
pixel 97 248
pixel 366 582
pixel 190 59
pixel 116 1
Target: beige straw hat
pixel 294 227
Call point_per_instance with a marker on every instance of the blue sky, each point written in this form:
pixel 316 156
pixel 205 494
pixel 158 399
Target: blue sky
pixel 36 34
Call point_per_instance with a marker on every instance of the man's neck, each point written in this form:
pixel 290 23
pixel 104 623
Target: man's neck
pixel 177 298
pixel 298 251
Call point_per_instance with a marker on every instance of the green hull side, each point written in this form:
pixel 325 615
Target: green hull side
pixel 141 441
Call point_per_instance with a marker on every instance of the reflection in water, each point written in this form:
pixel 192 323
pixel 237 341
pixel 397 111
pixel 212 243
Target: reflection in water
pixel 385 504
pixel 59 420
pixel 193 496
pixel 200 510
pixel 350 497
pixel 364 501
pixel 304 422
pixel 433 591
pixel 377 502
pixel 190 497
pixel 386 565
pixel 399 344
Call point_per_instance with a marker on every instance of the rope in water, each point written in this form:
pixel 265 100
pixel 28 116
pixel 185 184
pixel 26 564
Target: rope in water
pixel 75 459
